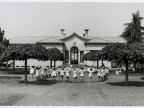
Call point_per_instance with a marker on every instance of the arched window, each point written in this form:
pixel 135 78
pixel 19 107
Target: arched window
pixel 74 55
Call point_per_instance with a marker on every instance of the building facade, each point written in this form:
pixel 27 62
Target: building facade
pixel 73 46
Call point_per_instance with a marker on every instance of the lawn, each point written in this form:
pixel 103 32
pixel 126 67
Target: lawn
pixel 111 92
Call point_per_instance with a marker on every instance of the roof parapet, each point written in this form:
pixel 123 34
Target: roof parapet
pixel 62 33
pixel 86 32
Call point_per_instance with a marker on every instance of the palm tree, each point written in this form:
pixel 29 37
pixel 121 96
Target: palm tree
pixel 133 31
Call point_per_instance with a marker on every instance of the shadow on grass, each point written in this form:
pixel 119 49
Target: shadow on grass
pixel 142 78
pixel 10 77
pixel 130 83
pixel 42 82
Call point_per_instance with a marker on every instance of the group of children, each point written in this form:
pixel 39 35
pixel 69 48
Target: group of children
pixel 64 73
pixel 131 69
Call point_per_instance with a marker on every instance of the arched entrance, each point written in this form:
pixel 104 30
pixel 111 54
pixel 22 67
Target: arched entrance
pixel 74 55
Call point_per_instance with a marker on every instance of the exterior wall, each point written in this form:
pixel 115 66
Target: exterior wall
pixel 34 62
pixel 94 47
pixel 60 47
pixel 92 63
pixel 74 41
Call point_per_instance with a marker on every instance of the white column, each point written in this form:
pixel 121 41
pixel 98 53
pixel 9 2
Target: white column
pixel 79 57
pixel 69 57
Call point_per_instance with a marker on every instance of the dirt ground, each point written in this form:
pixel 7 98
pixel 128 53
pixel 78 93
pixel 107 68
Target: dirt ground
pixel 13 92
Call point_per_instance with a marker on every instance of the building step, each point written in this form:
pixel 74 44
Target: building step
pixel 74 65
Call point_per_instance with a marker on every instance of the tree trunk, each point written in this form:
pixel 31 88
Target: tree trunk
pixel 25 69
pixel 54 63
pixel 93 63
pixel 97 63
pixel 14 66
pixel 135 64
pixel 126 74
pixel 6 65
pixel 50 63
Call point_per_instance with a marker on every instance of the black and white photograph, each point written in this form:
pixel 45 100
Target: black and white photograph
pixel 71 53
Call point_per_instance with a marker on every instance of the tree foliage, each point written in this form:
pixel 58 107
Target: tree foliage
pixel 18 52
pixel 1 35
pixel 55 54
pixel 3 44
pixel 2 48
pixel 3 40
pixel 24 52
pixel 124 52
pixel 91 56
pixel 133 30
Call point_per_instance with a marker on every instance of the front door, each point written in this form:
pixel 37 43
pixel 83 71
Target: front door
pixel 74 55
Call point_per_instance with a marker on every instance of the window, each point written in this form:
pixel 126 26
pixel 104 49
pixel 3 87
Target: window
pixel 81 55
pixel 74 55
pixel 66 56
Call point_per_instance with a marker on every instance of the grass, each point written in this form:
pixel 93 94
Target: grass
pixel 8 100
pixel 111 92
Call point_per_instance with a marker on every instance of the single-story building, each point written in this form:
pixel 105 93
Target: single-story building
pixel 73 47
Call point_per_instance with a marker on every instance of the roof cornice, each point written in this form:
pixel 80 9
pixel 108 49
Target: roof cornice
pixel 74 34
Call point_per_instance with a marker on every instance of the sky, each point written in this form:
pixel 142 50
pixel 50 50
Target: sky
pixel 47 18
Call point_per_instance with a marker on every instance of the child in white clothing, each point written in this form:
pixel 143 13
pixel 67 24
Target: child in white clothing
pixel 53 74
pixel 75 74
pixel 32 70
pixel 99 74
pixel 37 73
pixel 67 75
pixel 61 74
pixel 90 74
pixel 82 74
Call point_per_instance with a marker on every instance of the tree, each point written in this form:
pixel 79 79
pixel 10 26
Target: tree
pixel 2 49
pixel 124 52
pixel 133 30
pixel 3 44
pixel 91 56
pixel 1 35
pixel 3 40
pixel 24 52
pixel 54 54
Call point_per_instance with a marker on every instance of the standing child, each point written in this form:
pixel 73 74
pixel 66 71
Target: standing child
pixel 61 74
pixel 67 75
pixel 117 72
pixel 37 73
pixel 82 74
pixel 85 70
pixel 40 72
pixel 107 71
pixel 75 74
pixel 45 73
pixel 102 73
pixel 32 70
pixel 90 74
pixel 53 74
pixel 99 74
